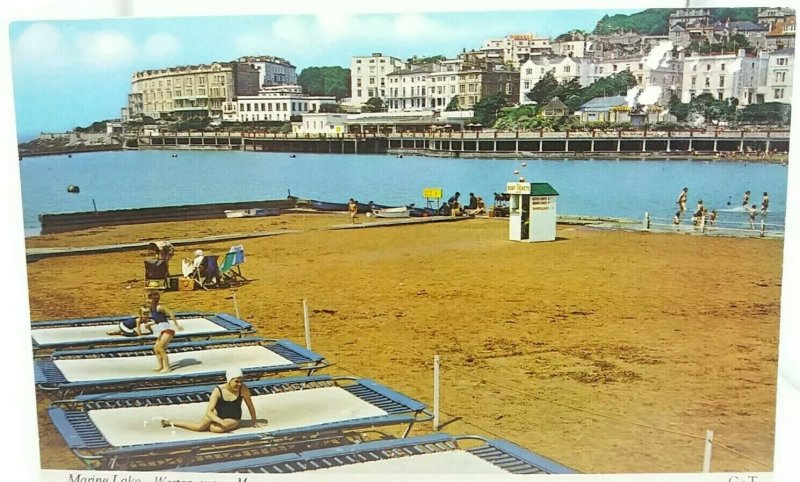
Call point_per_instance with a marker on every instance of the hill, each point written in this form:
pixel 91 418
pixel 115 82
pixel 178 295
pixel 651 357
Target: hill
pixel 655 21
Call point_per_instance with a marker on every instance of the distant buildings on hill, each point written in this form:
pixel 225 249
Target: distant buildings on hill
pixel 264 88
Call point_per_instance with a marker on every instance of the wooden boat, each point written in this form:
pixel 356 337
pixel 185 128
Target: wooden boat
pixel 424 212
pixel 250 213
pixel 329 206
pixel 397 212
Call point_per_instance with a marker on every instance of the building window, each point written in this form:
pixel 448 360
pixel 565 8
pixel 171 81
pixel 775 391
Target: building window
pixel 694 81
pixel 722 81
pixel 719 95
pixel 722 67
pixel 566 69
pixel 528 71
pixel 358 82
pixel 779 93
pixel 614 68
pixel 780 77
pixel 780 61
pixel 708 82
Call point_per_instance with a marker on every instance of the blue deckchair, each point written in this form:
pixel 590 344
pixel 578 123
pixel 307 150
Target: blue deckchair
pixel 335 405
pixel 230 269
pixel 66 373
pixel 501 454
pixel 91 332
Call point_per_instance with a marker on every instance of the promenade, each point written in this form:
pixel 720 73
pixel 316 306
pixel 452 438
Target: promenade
pixel 755 144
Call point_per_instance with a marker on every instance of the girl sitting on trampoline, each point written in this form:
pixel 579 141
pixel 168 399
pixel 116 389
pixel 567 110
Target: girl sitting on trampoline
pixel 136 326
pixel 224 410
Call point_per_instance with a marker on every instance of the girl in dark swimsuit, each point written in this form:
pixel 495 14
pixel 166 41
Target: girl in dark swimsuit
pixel 224 410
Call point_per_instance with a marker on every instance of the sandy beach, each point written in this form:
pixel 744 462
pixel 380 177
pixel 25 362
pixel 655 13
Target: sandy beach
pixel 607 351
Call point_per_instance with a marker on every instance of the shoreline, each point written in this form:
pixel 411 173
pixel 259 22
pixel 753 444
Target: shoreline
pixel 721 156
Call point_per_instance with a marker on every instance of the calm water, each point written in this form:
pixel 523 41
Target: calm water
pixel 626 189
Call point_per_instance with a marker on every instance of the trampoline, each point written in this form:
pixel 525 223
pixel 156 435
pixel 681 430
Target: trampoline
pixel 92 332
pixel 131 367
pixel 428 454
pixel 123 430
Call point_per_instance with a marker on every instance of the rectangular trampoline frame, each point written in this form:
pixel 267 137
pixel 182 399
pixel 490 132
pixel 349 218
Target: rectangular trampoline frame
pixel 232 327
pixel 49 378
pixel 83 437
pixel 500 453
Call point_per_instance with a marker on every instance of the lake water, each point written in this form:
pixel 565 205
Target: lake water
pixel 608 188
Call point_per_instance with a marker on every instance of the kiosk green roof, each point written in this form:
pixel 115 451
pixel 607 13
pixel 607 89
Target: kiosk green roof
pixel 542 189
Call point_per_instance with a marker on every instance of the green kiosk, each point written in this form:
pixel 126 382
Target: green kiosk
pixel 532 211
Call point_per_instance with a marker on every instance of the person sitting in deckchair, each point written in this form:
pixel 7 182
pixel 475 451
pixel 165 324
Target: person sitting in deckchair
pixel 190 266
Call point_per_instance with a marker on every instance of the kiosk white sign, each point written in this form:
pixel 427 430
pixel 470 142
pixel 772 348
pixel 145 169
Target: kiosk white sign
pixel 518 188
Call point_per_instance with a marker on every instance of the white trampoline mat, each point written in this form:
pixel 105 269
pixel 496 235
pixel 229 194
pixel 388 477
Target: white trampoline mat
pixel 196 361
pixel 450 462
pixel 68 334
pixel 123 427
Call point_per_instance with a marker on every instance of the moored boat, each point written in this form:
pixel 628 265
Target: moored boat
pixel 396 212
pixel 250 213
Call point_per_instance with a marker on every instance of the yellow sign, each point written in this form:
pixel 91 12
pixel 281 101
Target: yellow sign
pixel 518 188
pixel 432 193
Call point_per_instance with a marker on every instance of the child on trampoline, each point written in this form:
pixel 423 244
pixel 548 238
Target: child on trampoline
pixel 224 409
pixel 136 326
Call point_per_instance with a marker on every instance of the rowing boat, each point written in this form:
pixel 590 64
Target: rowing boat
pixel 397 212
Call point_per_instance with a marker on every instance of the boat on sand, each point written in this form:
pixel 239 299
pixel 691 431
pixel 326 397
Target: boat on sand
pixel 396 212
pixel 250 213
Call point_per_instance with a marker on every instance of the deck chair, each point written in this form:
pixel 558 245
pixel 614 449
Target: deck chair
pixel 238 258
pixel 230 270
pixel 156 273
pixel 207 274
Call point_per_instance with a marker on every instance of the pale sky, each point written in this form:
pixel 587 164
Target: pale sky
pixel 69 73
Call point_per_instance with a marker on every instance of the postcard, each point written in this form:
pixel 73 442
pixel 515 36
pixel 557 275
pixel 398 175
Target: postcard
pixel 464 241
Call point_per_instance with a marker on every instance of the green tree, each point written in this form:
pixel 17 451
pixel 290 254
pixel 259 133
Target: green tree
pixel 678 108
pixel 330 108
pixel 770 113
pixel 487 109
pixel 713 110
pixel 544 90
pixel 653 21
pixel 333 81
pixel 373 104
pixel 425 60
pixel 453 104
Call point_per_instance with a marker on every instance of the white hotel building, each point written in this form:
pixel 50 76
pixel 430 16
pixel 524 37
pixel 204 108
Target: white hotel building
pixel 368 77
pixel 277 103
pixel 779 78
pixel 723 76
